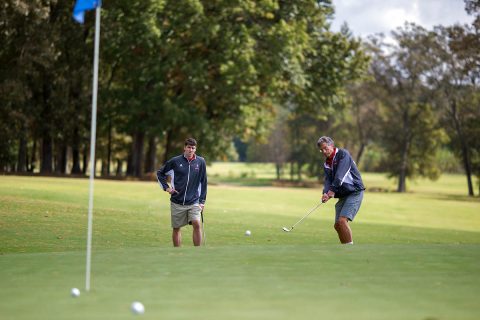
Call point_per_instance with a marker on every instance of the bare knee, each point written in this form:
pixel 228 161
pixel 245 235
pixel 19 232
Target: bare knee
pixel 341 223
pixel 196 224
pixel 337 226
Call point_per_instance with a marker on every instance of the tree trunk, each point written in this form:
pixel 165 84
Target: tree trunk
pixel 46 126
pixel 168 145
pixel 47 153
pixel 292 171
pixel 361 136
pixel 85 159
pixel 360 153
pixel 463 147
pixel 138 156
pixel 130 161
pixel 278 167
pixel 103 169
pixel 150 159
pixel 135 159
pixel 109 146
pixel 467 167
pixel 61 163
pixel 119 167
pixel 402 184
pixel 33 158
pixel 299 171
pixel 22 154
pixel 76 151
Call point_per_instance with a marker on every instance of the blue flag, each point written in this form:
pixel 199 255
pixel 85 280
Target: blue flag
pixel 83 5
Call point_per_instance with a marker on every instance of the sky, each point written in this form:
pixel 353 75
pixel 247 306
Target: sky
pixel 366 17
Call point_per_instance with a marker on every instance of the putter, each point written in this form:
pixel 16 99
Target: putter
pixel 315 208
pixel 204 237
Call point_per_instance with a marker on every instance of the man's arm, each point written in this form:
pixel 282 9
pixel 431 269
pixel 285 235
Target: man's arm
pixel 327 193
pixel 343 168
pixel 162 174
pixel 203 185
pixel 327 183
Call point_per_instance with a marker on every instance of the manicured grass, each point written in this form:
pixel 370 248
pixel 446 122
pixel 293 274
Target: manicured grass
pixel 415 254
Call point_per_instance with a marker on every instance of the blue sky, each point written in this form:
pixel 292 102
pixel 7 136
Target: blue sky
pixel 365 17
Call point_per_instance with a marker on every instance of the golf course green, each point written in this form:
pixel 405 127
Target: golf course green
pixel 416 254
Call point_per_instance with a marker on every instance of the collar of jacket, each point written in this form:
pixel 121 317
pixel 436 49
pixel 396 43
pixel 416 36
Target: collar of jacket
pixel 193 158
pixel 329 161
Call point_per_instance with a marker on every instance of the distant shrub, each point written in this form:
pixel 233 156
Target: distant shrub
pixel 371 160
pixel 447 161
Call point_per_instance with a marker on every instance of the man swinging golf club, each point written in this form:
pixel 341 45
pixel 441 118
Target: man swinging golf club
pixel 342 181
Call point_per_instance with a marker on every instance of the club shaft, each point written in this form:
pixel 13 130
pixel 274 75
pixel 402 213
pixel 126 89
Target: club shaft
pixel 313 209
pixel 204 237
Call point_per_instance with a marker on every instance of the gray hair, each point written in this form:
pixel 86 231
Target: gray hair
pixel 326 140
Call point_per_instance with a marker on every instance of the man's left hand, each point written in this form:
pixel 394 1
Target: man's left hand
pixel 330 194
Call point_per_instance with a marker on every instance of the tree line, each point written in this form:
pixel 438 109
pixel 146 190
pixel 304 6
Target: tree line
pixel 268 74
pixel 415 113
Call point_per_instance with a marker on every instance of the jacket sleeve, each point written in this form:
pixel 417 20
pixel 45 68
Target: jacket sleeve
pixel 344 165
pixel 203 184
pixel 327 183
pixel 162 174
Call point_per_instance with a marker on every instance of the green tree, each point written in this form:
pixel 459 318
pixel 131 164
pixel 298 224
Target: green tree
pixel 215 69
pixel 337 61
pixel 410 133
pixel 455 77
pixel 38 43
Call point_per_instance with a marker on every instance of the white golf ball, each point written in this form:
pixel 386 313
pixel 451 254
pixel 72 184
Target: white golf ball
pixel 248 233
pixel 75 292
pixel 137 308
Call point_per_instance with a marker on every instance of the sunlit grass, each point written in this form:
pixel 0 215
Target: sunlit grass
pixel 423 243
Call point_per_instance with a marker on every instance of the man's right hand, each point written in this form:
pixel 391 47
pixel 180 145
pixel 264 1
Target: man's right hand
pixel 171 190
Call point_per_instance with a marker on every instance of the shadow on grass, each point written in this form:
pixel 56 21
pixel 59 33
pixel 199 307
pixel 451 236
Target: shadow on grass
pixel 263 182
pixel 450 197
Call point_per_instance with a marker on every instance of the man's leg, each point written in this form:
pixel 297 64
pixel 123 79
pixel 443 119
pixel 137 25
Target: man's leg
pixel 177 237
pixel 197 233
pixel 343 230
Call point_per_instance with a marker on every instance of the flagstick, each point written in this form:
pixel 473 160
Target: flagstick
pixel 92 144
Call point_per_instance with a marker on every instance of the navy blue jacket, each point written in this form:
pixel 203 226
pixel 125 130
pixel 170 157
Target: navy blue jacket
pixel 343 176
pixel 188 178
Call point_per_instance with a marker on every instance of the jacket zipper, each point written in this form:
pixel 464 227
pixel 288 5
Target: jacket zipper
pixel 188 179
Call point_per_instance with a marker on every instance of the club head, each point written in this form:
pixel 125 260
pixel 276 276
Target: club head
pixel 286 229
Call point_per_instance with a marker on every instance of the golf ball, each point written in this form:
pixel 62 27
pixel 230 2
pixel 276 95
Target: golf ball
pixel 137 308
pixel 75 292
pixel 248 233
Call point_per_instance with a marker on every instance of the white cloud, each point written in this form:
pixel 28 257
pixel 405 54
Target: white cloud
pixel 365 17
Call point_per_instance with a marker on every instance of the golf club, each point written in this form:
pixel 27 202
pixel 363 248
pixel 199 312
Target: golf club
pixel 204 237
pixel 315 208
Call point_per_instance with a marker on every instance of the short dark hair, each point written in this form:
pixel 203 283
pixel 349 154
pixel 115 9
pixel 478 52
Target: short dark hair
pixel 190 142
pixel 325 139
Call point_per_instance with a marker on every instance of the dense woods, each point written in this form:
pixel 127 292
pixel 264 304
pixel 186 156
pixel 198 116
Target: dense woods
pixel 250 80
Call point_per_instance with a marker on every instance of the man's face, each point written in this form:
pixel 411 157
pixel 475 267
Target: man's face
pixel 326 149
pixel 189 151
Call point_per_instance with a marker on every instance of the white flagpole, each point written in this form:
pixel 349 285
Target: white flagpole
pixel 92 145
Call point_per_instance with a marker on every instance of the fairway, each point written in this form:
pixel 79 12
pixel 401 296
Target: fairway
pixel 416 255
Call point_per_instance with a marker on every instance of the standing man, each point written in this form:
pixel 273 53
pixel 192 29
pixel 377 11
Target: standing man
pixel 188 190
pixel 342 181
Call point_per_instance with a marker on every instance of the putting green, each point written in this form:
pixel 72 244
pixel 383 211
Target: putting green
pixel 415 254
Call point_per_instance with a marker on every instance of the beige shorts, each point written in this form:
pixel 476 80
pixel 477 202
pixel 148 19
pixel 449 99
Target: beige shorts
pixel 183 215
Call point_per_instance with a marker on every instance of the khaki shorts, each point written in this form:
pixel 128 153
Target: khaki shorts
pixel 183 215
